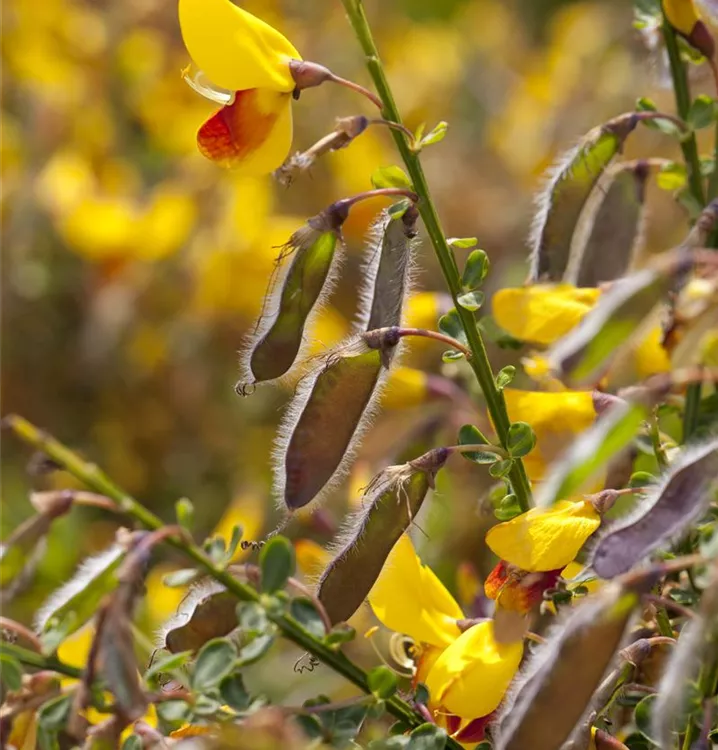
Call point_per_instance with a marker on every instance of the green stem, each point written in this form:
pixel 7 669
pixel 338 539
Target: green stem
pixel 98 481
pixel 479 361
pixel 689 147
pixel 33 659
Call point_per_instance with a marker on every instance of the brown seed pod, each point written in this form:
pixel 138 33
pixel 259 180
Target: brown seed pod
pixel 391 502
pixel 663 514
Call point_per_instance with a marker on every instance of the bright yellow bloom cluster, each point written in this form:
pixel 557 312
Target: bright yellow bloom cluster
pixel 467 673
pixel 246 64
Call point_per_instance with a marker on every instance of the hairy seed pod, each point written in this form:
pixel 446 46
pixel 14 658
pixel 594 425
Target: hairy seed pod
pixel 561 676
pixel 323 425
pixel 279 334
pixel 568 187
pixel 622 316
pixel 388 271
pixel 610 233
pixel 392 501
pixel 664 513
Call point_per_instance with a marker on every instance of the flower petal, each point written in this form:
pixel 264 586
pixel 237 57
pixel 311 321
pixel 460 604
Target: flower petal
pixel 409 598
pixel 542 313
pixel 544 539
pixel 233 48
pixel 517 590
pixel 472 675
pixel 556 419
pixel 254 133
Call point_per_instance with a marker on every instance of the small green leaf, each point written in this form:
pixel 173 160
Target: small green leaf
pixel 382 682
pixel 476 268
pixel 276 561
pixel 500 469
pixel 174 712
pixel 504 376
pixel 215 661
pixel 255 649
pixel 664 126
pixel 462 242
pixel 305 613
pixel 419 132
pixel 339 634
pixel 436 135
pixel 252 618
pixel 184 510
pixel 521 439
pixel 167 663
pixel 398 209
pixel 469 434
pixel 234 694
pixel 702 112
pixel 671 177
pixel 641 479
pixel 133 742
pixel 310 725
pixel 10 672
pixel 427 737
pixel 216 548
pixel 471 300
pixel 508 508
pixel 421 694
pixel 53 715
pixel 451 325
pixel 642 717
pixel 180 578
pixel 451 355
pixel 392 176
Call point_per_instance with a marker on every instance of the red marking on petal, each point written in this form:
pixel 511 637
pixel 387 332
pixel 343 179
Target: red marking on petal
pixel 235 131
pixel 516 589
pixel 452 723
pixel 475 730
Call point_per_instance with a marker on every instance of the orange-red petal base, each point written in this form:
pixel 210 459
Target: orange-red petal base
pixel 517 589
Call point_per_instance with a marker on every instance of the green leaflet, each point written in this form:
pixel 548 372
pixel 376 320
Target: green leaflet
pixel 610 233
pixel 568 189
pixel 279 337
pixel 329 417
pixel 394 499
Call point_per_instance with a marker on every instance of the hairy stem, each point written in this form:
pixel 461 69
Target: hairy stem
pixel 479 361
pixel 98 481
pixel 689 147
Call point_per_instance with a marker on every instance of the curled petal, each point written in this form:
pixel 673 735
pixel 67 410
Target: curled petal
pixel 518 590
pixel 542 313
pixel 235 49
pixel 472 675
pixel 254 133
pixel 544 539
pixel 409 598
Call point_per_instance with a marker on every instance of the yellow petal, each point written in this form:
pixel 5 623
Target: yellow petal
pixel 472 675
pixel 253 134
pixel 650 357
pixel 233 48
pixel 312 558
pixel 405 388
pixel 542 313
pixel 556 419
pixel 408 598
pixel 544 539
pixel 681 14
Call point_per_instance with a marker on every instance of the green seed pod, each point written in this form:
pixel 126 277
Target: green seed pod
pixel 610 233
pixel 279 334
pixel 562 675
pixel 568 187
pixel 392 501
pixel 388 270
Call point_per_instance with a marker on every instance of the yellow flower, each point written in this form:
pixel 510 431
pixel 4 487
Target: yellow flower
pixel 556 419
pixel 467 673
pixel 682 15
pixel 246 64
pixel 544 539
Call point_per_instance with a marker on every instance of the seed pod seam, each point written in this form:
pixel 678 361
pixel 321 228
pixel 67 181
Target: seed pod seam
pixel 87 571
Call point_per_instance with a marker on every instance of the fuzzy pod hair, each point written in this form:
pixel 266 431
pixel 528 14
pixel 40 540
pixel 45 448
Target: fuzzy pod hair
pixel 294 300
pixel 663 515
pixel 554 692
pixel 392 501
pixel 388 270
pixel 332 409
pixel 568 186
pixel 82 594
pixel 208 611
pixel 611 231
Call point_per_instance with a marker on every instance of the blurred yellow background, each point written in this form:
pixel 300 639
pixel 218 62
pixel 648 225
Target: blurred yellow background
pixel 133 268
